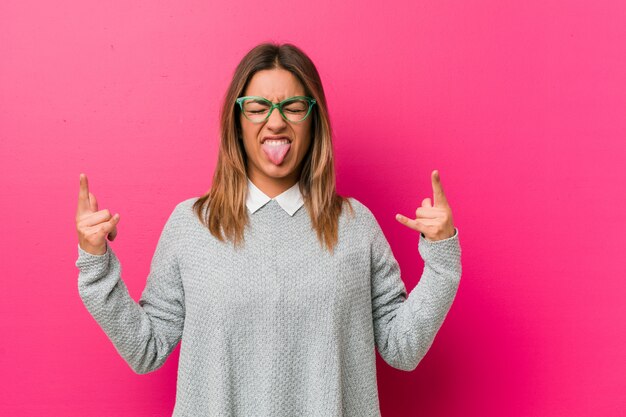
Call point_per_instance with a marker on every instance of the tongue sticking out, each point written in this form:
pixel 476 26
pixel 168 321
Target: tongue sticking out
pixel 276 153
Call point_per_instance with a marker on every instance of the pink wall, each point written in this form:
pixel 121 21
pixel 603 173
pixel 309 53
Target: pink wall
pixel 519 104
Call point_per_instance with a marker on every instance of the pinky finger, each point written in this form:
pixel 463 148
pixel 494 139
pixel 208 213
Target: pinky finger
pixel 412 223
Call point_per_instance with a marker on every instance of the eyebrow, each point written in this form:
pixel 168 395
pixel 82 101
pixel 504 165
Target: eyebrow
pixel 256 100
pixel 286 98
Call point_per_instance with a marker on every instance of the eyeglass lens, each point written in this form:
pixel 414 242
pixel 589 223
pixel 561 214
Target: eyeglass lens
pixel 294 110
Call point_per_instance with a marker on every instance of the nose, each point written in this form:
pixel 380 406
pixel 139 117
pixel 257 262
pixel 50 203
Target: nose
pixel 276 122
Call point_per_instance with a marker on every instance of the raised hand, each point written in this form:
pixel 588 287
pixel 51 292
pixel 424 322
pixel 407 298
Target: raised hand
pixel 433 220
pixel 93 226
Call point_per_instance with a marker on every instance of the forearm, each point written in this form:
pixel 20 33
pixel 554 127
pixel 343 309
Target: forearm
pixel 125 322
pixel 412 327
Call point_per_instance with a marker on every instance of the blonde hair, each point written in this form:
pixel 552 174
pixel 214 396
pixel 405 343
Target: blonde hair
pixel 226 200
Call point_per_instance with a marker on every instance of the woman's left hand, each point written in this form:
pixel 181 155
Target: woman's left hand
pixel 433 220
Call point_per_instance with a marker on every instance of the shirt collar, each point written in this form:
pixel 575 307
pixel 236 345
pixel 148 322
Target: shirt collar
pixel 290 200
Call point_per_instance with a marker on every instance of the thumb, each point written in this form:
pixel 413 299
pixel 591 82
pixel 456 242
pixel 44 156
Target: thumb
pixel 114 221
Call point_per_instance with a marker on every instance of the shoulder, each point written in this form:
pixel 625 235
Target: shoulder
pixel 369 230
pixel 363 216
pixel 360 209
pixel 183 209
pixel 186 204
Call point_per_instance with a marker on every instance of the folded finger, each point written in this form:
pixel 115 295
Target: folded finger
pixel 427 212
pixel 428 222
pixel 96 218
pixel 115 219
pixel 108 227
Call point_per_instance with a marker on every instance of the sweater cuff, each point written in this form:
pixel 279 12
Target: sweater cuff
pixel 93 263
pixel 456 234
pixel 444 254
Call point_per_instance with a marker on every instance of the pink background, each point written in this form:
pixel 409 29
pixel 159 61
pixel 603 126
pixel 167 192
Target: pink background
pixel 519 104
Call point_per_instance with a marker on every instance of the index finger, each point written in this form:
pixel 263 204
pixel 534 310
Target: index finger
pixel 83 194
pixel 439 198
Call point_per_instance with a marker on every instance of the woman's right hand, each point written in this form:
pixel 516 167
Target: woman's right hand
pixel 93 226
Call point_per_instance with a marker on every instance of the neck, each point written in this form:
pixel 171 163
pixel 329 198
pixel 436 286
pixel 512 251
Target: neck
pixel 273 186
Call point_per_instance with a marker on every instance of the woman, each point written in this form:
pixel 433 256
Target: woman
pixel 278 288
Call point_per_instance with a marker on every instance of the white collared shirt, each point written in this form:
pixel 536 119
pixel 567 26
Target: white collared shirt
pixel 290 200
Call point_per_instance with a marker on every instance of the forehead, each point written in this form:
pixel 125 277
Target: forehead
pixel 274 84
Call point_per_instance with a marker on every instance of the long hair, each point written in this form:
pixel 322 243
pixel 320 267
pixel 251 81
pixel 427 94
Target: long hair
pixel 223 207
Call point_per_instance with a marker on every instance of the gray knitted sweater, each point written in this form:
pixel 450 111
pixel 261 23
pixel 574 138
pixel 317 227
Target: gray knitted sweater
pixel 279 327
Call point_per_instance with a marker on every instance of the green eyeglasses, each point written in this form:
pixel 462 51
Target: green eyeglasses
pixel 293 109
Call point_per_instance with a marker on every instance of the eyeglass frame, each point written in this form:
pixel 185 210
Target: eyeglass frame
pixel 278 106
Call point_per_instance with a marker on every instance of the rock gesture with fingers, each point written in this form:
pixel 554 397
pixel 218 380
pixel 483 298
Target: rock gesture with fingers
pixel 92 225
pixel 434 220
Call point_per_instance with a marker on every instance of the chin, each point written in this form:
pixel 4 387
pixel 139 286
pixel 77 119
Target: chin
pixel 278 171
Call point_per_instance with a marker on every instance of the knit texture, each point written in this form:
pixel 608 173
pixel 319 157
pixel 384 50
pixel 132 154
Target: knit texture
pixel 279 327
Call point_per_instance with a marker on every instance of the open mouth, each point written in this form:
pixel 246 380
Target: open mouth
pixel 276 149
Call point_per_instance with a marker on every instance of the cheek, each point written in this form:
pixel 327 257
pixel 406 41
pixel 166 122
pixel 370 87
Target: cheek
pixel 304 132
pixel 248 136
pixel 245 129
pixel 249 132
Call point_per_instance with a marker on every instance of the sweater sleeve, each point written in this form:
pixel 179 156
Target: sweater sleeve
pixel 405 328
pixel 143 333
